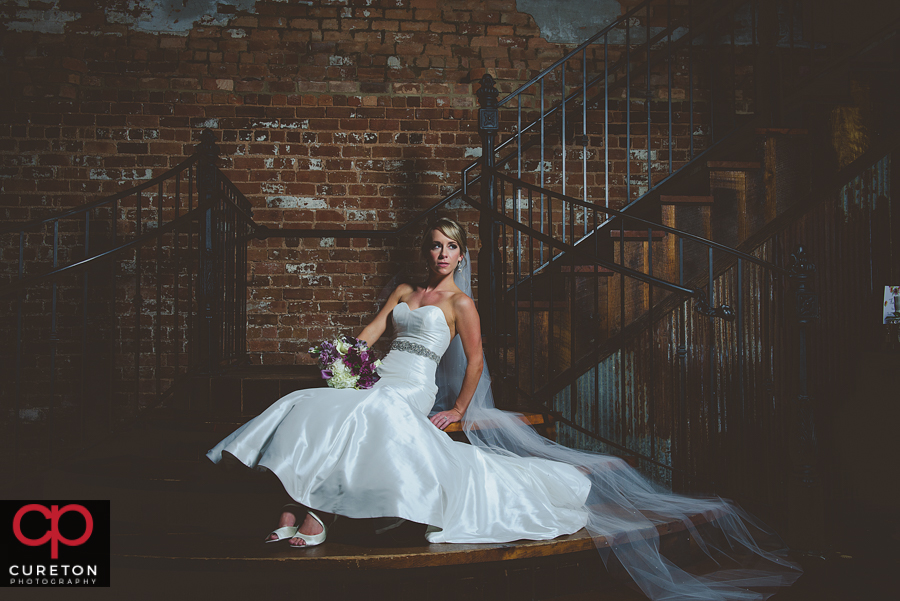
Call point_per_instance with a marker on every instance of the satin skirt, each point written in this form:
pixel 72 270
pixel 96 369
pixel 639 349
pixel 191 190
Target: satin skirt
pixel 374 453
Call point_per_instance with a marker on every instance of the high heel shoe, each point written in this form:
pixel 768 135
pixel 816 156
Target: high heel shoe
pixel 312 540
pixel 287 532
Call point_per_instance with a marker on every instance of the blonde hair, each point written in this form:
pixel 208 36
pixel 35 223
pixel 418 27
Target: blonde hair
pixel 449 228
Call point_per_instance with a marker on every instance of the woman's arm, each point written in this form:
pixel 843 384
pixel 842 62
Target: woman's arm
pixel 372 332
pixel 468 326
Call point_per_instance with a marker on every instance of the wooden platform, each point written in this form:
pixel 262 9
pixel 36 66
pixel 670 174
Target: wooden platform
pixel 181 523
pixel 352 545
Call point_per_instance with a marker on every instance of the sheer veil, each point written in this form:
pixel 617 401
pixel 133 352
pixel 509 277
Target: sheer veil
pixel 624 508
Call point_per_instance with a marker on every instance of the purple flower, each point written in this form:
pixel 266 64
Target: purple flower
pixel 359 362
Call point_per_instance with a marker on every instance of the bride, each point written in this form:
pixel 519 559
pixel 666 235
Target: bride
pixel 377 453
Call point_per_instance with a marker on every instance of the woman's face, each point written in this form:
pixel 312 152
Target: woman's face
pixel 443 254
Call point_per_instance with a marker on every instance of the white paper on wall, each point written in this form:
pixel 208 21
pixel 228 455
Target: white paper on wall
pixel 891 304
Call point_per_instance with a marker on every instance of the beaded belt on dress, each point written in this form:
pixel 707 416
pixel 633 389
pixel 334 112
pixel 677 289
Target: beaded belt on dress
pixel 416 349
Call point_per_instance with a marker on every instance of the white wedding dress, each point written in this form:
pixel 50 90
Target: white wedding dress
pixel 374 453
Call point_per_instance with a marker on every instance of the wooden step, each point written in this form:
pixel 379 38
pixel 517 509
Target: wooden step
pixel 399 565
pixel 535 419
pixel 247 569
pixel 176 523
pixel 349 548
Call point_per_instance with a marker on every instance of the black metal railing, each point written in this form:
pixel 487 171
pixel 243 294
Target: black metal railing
pixel 606 318
pixel 656 91
pixel 642 338
pixel 566 308
pixel 109 305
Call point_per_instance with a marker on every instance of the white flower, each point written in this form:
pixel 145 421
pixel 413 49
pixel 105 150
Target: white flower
pixel 341 376
pixel 342 347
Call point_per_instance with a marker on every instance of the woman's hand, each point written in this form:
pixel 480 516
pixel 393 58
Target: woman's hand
pixel 445 418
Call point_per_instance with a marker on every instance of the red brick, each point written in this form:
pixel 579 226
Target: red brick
pixel 362 143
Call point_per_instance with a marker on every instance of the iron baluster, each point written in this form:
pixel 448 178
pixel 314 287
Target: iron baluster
pixel 113 314
pixel 691 74
pixel 627 112
pixel 138 305
pixel 733 73
pixel 516 197
pixel 647 102
pixel 542 167
pixel 584 137
pixel 17 418
pixel 651 402
pixel 806 510
pixel 210 254
pixel 503 343
pixel 605 117
pixel 563 137
pixel 192 334
pixel 158 266
pixel 512 321
pixel 176 272
pixel 54 343
pixel 740 357
pixel 531 353
pixel 84 330
pixel 488 126
pixel 669 72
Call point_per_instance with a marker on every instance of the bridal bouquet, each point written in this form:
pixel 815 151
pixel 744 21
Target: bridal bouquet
pixel 347 362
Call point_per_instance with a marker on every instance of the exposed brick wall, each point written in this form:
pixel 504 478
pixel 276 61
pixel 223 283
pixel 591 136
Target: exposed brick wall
pixel 350 113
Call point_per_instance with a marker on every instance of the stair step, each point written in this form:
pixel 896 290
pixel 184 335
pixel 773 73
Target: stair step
pixel 341 552
pixel 733 165
pixel 535 419
pixel 391 566
pixel 349 547
pixel 686 200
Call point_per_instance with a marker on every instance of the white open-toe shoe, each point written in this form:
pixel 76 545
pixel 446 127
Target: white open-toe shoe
pixel 282 533
pixel 312 540
pixel 287 532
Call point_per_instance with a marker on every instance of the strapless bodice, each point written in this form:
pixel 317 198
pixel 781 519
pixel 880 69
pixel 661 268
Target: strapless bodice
pixel 422 336
pixel 425 326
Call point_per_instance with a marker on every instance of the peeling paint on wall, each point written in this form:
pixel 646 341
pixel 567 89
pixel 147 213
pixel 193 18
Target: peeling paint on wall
pixel 150 16
pixel 49 20
pixel 178 16
pixel 572 21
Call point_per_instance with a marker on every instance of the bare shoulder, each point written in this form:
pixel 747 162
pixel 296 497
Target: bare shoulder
pixel 463 305
pixel 402 291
